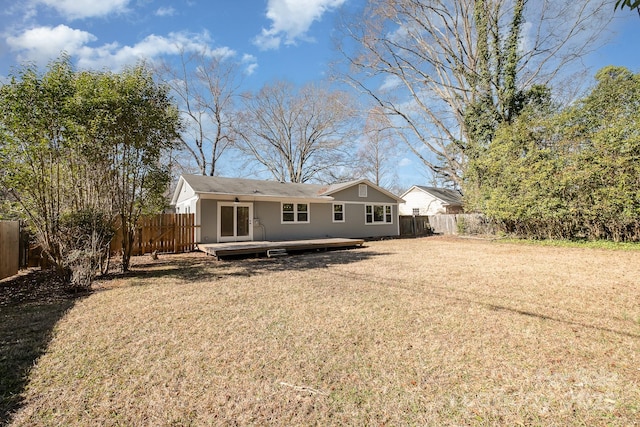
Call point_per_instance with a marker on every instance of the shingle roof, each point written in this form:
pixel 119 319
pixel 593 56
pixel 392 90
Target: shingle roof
pixel 452 197
pixel 254 187
pixel 270 189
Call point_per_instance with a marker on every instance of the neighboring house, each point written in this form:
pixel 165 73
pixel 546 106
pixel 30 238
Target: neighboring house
pixel 419 200
pixel 236 209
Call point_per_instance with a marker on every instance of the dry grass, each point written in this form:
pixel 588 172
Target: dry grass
pixel 408 332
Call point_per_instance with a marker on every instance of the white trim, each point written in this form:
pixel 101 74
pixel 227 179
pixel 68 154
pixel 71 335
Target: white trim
pixel 340 187
pixel 189 200
pixel 198 220
pixel 373 220
pixel 253 198
pixel 234 238
pixel 295 212
pixel 333 212
pixel 365 203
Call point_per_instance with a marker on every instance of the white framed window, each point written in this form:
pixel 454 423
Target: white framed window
pixel 362 190
pixel 338 212
pixel 295 213
pixel 416 211
pixel 377 214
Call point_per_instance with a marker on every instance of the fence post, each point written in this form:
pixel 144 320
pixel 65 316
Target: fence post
pixel 9 248
pixel 24 244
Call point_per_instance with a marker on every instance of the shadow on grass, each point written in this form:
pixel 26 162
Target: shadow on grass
pixel 302 261
pixel 197 266
pixel 30 306
pixel 469 297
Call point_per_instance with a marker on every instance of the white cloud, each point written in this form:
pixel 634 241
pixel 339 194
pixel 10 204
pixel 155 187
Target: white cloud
pixel 219 52
pixel 165 11
pixel 251 64
pixel 78 9
pixel 267 40
pixel 114 56
pixel 42 44
pixel 291 19
pixel 405 162
pixel 390 83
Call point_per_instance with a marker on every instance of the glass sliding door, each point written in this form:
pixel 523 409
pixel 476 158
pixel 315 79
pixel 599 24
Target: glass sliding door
pixel 234 222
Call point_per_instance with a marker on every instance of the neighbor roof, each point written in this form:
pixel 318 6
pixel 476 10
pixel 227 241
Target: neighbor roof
pixel 447 195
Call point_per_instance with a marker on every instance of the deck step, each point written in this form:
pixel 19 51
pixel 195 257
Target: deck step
pixel 276 252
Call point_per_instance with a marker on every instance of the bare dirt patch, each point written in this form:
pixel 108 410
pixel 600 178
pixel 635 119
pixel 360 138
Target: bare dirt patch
pixel 430 331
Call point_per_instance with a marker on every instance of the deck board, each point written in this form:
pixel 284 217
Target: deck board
pixel 261 247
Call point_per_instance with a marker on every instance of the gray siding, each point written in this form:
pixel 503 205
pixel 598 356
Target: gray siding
pixel 267 223
pixel 356 226
pixel 351 195
pixel 269 226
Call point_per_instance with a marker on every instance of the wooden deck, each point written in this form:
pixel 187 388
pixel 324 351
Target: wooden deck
pixel 275 248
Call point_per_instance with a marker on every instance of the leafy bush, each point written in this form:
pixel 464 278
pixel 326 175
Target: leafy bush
pixel 566 173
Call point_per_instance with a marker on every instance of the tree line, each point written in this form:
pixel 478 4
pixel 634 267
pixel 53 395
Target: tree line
pixel 567 173
pixel 314 132
pixel 82 152
pixel 485 94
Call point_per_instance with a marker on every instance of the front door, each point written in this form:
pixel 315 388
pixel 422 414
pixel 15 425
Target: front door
pixel 234 222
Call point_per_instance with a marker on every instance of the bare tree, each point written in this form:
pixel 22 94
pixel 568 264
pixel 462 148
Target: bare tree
pixel 297 134
pixel 427 63
pixel 377 150
pixel 205 86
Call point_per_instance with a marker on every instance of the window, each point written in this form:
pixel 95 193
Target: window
pixel 378 214
pixel 302 212
pixel 295 212
pixel 362 190
pixel 338 212
pixel 416 211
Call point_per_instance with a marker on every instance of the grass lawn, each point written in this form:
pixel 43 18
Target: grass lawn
pixel 432 331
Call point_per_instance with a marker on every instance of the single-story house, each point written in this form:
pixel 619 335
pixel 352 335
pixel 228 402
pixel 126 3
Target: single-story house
pixel 420 200
pixel 237 209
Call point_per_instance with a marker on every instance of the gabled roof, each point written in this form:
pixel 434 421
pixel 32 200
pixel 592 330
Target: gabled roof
pixel 448 196
pixel 266 189
pixel 334 188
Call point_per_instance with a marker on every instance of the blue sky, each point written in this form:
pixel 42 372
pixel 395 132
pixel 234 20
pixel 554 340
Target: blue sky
pixel 288 39
pixel 273 39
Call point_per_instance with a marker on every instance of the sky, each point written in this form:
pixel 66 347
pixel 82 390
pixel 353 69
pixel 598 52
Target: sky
pixel 272 39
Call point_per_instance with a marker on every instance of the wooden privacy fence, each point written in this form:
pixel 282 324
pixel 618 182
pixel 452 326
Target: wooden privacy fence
pixel 414 226
pixel 9 248
pixel 444 224
pixel 460 224
pixel 164 233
